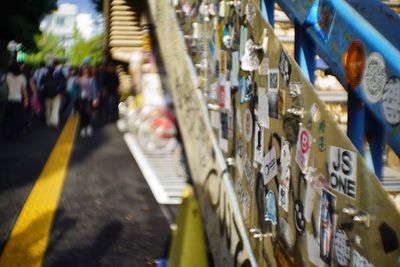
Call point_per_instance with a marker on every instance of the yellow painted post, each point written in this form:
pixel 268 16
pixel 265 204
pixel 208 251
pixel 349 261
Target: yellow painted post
pixel 188 242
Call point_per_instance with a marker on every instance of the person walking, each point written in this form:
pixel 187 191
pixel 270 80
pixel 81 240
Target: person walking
pixel 87 96
pixel 110 92
pixel 17 100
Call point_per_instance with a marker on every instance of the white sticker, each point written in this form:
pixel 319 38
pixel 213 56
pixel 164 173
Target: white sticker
pixel 215 119
pixel 391 101
pixel 303 149
pixel 248 171
pixel 243 39
pixel 284 198
pixel 264 66
pixel 258 144
pixel 262 107
pixel 269 166
pixel 227 100
pixel 341 247
pixel 360 261
pixel 374 77
pixel 248 125
pixel 285 152
pixel 213 91
pixel 249 61
pixel 235 69
pixel 285 67
pixel 313 250
pixel 273 79
pixel 309 203
pixel 342 167
pixel 250 13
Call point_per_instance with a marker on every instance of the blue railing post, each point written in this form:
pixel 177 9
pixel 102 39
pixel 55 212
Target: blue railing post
pixel 267 8
pixel 304 51
pixel 356 120
pixel 376 135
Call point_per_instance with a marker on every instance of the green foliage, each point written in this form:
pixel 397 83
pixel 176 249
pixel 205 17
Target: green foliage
pixel 20 19
pixel 49 48
pixel 82 49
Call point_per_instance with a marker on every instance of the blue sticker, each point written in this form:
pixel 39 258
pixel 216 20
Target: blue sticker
pixel 246 89
pixel 270 212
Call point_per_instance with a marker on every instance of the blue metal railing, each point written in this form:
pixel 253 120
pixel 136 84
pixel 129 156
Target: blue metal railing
pixel 376 26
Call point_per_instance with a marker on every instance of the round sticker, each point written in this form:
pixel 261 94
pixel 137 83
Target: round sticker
pixel 374 77
pixel 248 125
pixel 304 138
pixel 391 101
pixel 342 248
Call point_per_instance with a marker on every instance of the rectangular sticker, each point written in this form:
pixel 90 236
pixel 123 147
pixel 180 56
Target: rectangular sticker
pixel 269 166
pixel 235 69
pixel 303 149
pixel 227 100
pixel 263 107
pixel 342 167
pixel 283 198
pixel 273 79
pixel 326 225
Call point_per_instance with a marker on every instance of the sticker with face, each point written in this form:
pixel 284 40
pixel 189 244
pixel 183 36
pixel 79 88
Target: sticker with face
pixel 327 226
pixel 283 198
pixel 248 125
pixel 270 213
pixel 374 77
pixel 391 101
pixel 273 79
pixel 249 61
pixel 303 149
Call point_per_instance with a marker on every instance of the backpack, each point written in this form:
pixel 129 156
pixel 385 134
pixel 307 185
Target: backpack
pixel 53 84
pixel 3 89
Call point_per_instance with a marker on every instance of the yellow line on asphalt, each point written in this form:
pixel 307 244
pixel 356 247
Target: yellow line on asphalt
pixel 28 240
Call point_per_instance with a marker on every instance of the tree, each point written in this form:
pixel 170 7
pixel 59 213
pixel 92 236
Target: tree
pixel 82 49
pixel 49 48
pixel 20 19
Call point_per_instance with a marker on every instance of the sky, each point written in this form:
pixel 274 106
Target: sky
pixel 85 6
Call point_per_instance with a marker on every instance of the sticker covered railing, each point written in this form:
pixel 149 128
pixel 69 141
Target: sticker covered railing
pixel 278 182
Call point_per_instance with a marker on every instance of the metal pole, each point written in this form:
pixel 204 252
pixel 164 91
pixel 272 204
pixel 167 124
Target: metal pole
pixel 376 135
pixel 267 9
pixel 304 51
pixel 356 120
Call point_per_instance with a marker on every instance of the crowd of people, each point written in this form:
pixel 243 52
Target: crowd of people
pixel 55 90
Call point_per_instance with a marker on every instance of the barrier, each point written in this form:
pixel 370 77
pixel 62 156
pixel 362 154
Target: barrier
pixel 279 184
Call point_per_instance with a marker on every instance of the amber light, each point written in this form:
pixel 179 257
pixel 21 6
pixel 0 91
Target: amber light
pixel 354 62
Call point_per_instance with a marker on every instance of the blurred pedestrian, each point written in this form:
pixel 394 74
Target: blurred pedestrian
pixel 110 92
pixel 17 100
pixel 87 98
pixel 31 91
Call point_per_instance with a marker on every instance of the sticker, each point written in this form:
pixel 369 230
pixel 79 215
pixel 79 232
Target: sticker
pixel 239 120
pixel 291 129
pixel 273 79
pixel 326 226
pixel 239 156
pixel 215 119
pixel 213 91
pixel 299 220
pixel 313 250
pixel 250 12
pixel 273 103
pixel 321 142
pixel 243 197
pixel 221 94
pixel 286 233
pixel 283 198
pixel 270 213
pixel 269 166
pixel 248 125
pixel 249 61
pixel 374 77
pixel 264 41
pixel 360 261
pixel 227 94
pixel 226 37
pixel 246 89
pixel 285 68
pixel 303 149
pixel 309 203
pixel 234 75
pixel 223 133
pixel 319 182
pixel 230 125
pixel 295 89
pixel 391 101
pixel 258 144
pixel 248 171
pixel 243 39
pixel 281 102
pixel 341 247
pixel 222 65
pixel 263 107
pixel 221 11
pixel 285 153
pixel 315 114
pixel 326 13
pixel 342 167
pixel 264 66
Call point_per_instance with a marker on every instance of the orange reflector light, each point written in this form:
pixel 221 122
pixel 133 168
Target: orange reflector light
pixel 354 62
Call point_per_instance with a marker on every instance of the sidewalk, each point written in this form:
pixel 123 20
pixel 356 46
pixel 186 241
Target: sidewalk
pixel 106 216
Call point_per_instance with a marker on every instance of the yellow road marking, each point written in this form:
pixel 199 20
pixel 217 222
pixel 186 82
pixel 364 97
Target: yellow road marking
pixel 27 243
